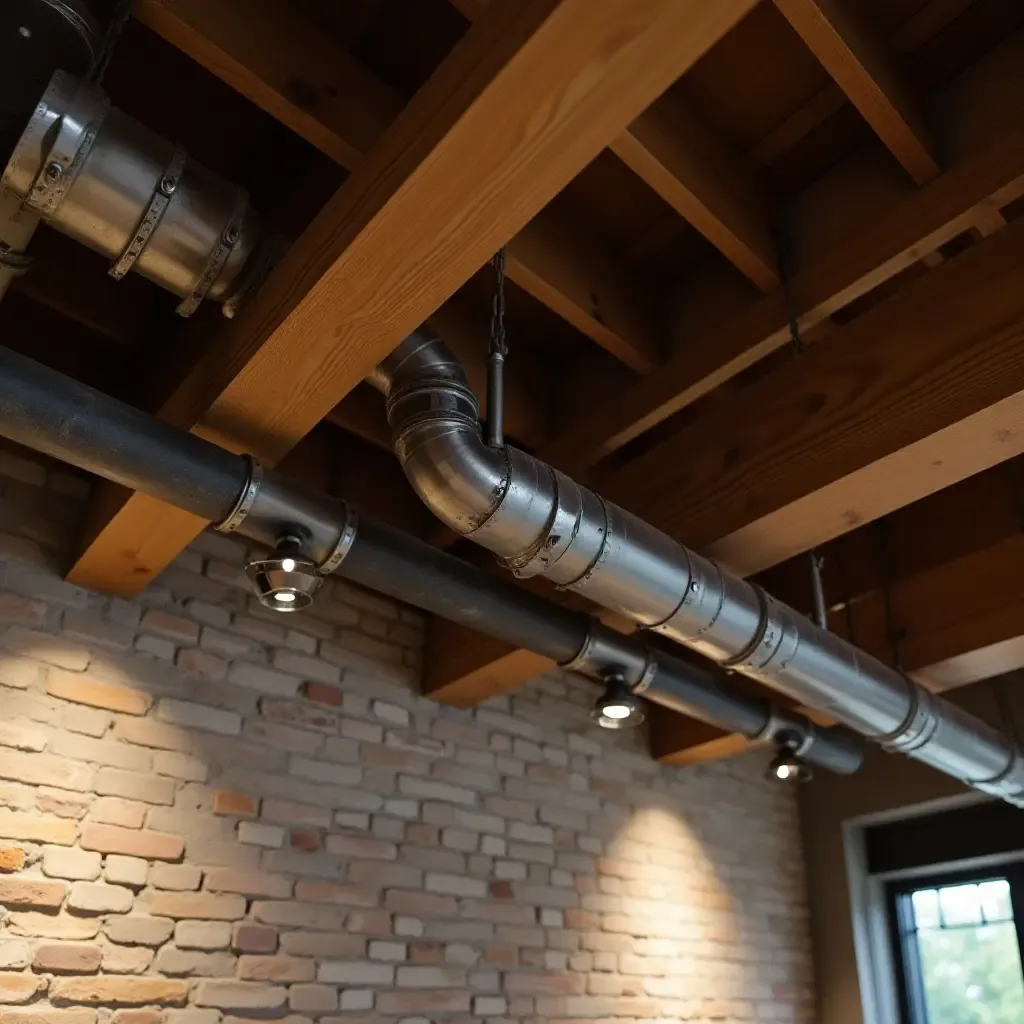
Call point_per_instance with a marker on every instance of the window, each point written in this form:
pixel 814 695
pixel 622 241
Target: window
pixel 960 940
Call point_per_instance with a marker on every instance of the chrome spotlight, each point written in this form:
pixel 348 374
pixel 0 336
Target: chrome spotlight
pixel 288 581
pixel 618 707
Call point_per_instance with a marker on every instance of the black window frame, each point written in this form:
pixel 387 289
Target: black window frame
pixel 909 984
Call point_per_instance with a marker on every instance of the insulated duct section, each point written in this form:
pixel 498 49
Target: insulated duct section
pixel 57 416
pixel 541 523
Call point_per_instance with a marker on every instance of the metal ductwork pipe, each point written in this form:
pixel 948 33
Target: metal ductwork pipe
pixel 100 177
pixel 541 523
pixel 62 418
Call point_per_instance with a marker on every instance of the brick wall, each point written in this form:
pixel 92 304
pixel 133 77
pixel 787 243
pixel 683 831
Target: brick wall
pixel 211 814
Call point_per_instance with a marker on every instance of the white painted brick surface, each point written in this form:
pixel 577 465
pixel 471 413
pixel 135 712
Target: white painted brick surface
pixel 223 836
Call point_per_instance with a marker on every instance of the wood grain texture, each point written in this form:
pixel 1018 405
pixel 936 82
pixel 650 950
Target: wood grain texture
pixel 295 72
pixel 681 160
pixel 520 106
pixel 885 246
pixel 918 393
pixel 865 74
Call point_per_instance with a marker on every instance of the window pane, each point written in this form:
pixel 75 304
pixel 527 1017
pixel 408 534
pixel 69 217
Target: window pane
pixel 926 908
pixel 972 975
pixel 995 900
pixel 960 905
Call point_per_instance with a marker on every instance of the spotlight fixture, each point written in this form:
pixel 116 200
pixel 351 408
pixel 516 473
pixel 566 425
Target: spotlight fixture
pixel 287 582
pixel 786 766
pixel 618 707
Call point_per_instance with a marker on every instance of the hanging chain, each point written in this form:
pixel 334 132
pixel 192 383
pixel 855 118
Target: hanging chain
pixel 496 353
pixel 104 55
pixel 894 634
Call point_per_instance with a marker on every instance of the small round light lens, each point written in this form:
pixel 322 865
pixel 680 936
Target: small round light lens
pixel 782 771
pixel 288 565
pixel 616 711
pixel 285 598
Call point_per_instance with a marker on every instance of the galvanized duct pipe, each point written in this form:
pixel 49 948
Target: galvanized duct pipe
pixel 100 177
pixel 541 523
pixel 53 414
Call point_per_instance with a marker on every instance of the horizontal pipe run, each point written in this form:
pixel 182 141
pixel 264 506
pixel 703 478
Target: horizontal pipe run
pixel 53 414
pixel 541 523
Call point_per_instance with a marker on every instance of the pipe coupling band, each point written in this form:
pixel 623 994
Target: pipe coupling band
pixel 15 262
pixel 345 542
pixel 158 203
pixel 604 650
pixel 918 727
pixel 246 499
pixel 218 257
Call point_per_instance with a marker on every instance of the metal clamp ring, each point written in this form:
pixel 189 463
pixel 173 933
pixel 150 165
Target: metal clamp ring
pixel 345 542
pixel 218 257
pixel 246 499
pixel 68 152
pixel 158 203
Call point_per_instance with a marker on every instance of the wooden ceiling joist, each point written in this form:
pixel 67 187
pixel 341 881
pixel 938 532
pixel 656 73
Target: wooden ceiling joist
pixel 865 74
pixel 266 51
pixel 887 245
pixel 466 165
pixel 914 395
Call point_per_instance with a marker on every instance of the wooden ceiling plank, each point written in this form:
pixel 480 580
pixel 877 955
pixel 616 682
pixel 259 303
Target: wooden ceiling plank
pixel 923 390
pixel 291 69
pixel 467 164
pixel 887 245
pixel 680 159
pixel 864 73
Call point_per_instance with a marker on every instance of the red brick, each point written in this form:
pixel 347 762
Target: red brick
pixel 139 1017
pixel 83 689
pixel 248 883
pixel 357 846
pixel 501 956
pixel 171 626
pixel 424 1001
pixel 63 804
pixel 202 906
pixel 21 609
pixel 112 810
pixel 322 693
pixel 201 663
pixel 235 804
pixel 427 953
pixel 34 893
pixel 67 958
pixel 19 988
pixel 109 991
pixel 12 858
pixel 545 984
pixel 142 843
pixel 420 904
pixel 253 938
pixel 276 968
pixel 309 842
pixel 369 922
pixel 501 890
pixel 331 892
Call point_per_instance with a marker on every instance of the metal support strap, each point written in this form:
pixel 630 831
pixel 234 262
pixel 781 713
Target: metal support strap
pixel 218 257
pixel 246 498
pixel 158 203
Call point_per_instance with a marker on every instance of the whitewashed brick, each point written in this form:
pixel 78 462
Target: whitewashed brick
pixel 71 863
pixel 255 833
pixel 455 885
pixel 340 972
pixel 199 716
pixel 121 870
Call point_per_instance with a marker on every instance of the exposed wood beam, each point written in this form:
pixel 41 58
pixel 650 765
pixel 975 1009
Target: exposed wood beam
pixel 362 414
pixel 680 159
pixel 917 393
pixel 864 73
pixel 287 66
pixel 466 165
pixel 888 244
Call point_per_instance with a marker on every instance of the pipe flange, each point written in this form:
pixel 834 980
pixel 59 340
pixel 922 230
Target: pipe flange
pixel 246 499
pixel 218 257
pixel 345 542
pixel 158 203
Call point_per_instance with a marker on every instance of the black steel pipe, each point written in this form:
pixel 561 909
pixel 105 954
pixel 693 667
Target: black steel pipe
pixel 51 413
